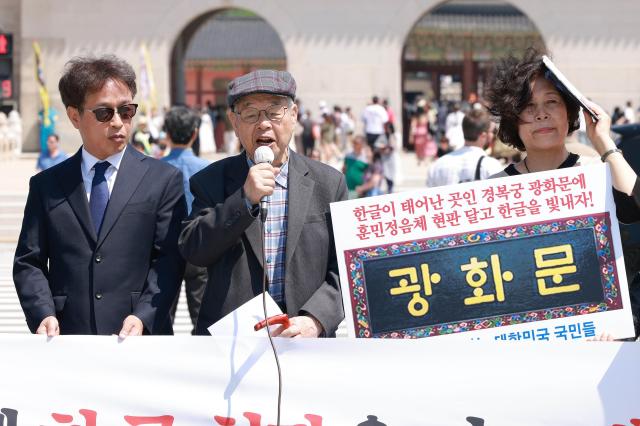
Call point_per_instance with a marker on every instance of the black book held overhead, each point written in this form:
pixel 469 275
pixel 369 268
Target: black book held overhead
pixel 563 84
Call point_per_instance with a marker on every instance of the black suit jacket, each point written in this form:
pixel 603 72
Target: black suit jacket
pixel 91 283
pixel 222 235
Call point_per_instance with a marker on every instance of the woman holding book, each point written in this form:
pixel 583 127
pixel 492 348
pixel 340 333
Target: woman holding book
pixel 536 114
pixel 535 117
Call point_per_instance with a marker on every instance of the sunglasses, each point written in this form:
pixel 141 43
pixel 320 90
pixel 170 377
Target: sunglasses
pixel 104 114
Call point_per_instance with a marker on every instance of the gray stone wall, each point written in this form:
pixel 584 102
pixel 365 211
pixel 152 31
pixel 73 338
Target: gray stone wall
pixel 339 51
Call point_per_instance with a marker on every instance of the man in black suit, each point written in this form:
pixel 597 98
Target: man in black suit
pixel 97 252
pixel 224 232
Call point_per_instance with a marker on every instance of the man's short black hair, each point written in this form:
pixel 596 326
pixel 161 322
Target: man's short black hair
pixel 85 75
pixel 180 123
pixel 474 123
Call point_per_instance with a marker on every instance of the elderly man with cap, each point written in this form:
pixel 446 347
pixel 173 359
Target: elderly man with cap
pixel 224 231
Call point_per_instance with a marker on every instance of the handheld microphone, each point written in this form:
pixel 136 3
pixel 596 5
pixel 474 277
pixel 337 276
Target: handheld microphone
pixel 263 154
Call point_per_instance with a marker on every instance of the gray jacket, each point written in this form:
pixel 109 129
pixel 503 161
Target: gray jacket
pixel 222 235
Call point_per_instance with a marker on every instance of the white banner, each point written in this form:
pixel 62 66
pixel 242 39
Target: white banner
pixel 206 381
pixel 524 258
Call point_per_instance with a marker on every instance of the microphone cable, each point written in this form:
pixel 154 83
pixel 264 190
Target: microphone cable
pixel 263 218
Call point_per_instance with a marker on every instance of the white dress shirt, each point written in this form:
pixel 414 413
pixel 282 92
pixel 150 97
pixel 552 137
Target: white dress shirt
pixel 460 166
pixel 88 161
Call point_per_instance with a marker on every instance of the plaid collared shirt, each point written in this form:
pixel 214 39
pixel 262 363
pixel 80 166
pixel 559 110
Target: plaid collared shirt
pixel 275 241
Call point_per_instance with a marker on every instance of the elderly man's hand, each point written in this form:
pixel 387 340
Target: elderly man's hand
pixel 49 326
pixel 260 182
pixel 131 326
pixel 302 326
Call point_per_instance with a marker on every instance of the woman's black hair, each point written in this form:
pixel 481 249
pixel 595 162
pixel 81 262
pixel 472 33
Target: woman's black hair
pixel 509 92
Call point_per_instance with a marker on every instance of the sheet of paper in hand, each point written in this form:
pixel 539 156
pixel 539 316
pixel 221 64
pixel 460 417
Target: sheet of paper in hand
pixel 241 321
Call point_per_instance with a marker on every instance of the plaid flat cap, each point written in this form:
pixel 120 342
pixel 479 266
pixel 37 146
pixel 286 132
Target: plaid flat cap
pixel 261 81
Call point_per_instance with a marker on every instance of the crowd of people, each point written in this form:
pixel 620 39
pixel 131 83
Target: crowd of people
pixel 368 158
pixel 331 139
pixel 183 218
pixel 626 115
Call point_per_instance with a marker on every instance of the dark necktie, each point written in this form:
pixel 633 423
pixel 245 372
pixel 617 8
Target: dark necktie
pixel 99 195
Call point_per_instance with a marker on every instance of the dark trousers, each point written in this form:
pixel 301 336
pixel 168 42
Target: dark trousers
pixel 308 144
pixel 389 185
pixel 372 138
pixel 195 282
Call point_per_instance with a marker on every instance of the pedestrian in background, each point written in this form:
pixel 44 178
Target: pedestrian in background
pixel 374 118
pixel 420 135
pixel 356 163
pixel 54 155
pixel 373 178
pixel 182 125
pixel 308 134
pixel 471 162
pixel 390 125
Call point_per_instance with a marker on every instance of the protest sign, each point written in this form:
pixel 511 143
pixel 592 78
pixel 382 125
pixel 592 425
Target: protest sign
pixel 530 257
pixel 209 381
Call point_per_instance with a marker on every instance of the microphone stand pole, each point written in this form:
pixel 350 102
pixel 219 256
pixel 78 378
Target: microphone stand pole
pixel 263 218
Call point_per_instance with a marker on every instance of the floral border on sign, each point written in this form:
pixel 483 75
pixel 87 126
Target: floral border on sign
pixel 600 223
